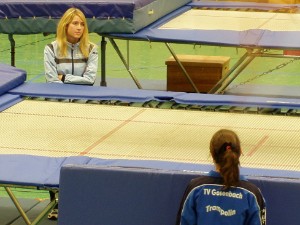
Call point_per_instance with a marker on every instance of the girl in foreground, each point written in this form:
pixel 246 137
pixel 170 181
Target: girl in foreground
pixel 223 197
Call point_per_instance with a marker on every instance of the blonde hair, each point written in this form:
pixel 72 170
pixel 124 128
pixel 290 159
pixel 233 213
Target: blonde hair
pixel 61 33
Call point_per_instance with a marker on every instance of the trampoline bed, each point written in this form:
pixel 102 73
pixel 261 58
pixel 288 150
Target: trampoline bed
pixel 57 129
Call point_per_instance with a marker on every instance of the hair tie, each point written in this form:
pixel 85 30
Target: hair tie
pixel 227 146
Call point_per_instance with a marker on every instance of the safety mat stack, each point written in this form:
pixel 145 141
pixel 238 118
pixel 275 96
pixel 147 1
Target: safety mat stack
pixel 103 16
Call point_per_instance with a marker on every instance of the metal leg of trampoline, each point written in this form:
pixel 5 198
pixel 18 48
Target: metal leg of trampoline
pixel 22 212
pixel 103 62
pixel 182 68
pixel 125 62
pixel 12 49
pixel 235 66
pixel 240 69
pixel 44 212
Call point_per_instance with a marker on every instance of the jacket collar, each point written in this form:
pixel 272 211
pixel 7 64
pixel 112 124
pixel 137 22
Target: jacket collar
pixel 73 45
pixel 213 173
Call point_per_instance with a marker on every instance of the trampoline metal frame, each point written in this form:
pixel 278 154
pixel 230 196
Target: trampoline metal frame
pixel 16 202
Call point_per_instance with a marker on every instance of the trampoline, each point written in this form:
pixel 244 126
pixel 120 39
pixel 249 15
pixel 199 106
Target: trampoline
pixel 61 132
pixel 57 129
pixel 262 28
pixel 40 136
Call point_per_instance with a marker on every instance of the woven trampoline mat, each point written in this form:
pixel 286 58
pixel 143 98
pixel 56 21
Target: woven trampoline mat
pixel 118 132
pixel 234 20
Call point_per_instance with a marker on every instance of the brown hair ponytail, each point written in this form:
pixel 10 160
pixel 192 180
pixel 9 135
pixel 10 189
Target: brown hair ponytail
pixel 226 150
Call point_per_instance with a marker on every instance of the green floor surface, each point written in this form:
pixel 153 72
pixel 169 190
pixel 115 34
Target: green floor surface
pixel 147 60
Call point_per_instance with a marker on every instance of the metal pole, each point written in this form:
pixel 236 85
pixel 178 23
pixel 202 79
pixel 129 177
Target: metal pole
pixel 236 65
pixel 12 49
pixel 103 62
pixel 251 57
pixel 125 63
pixel 17 204
pixel 182 68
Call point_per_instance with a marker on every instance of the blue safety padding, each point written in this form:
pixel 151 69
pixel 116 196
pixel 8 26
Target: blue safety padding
pixel 69 91
pixel 37 171
pixel 288 174
pixel 10 77
pixel 19 167
pixel 135 190
pixel 240 5
pixel 103 16
pixel 53 179
pixel 235 100
pixel 282 199
pixel 153 164
pixel 28 170
pixel 199 168
pixel 118 196
pixel 56 8
pixel 280 39
pixel 65 91
pixel 8 100
pixel 193 36
pixel 131 195
pixel 274 91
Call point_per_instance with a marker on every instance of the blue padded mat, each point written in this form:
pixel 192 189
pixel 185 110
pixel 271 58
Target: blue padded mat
pixel 54 90
pixel 37 171
pixel 275 91
pixel 8 100
pixel 123 9
pixel 43 171
pixel 137 196
pixel 235 100
pixel 28 170
pixel 10 77
pixel 103 16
